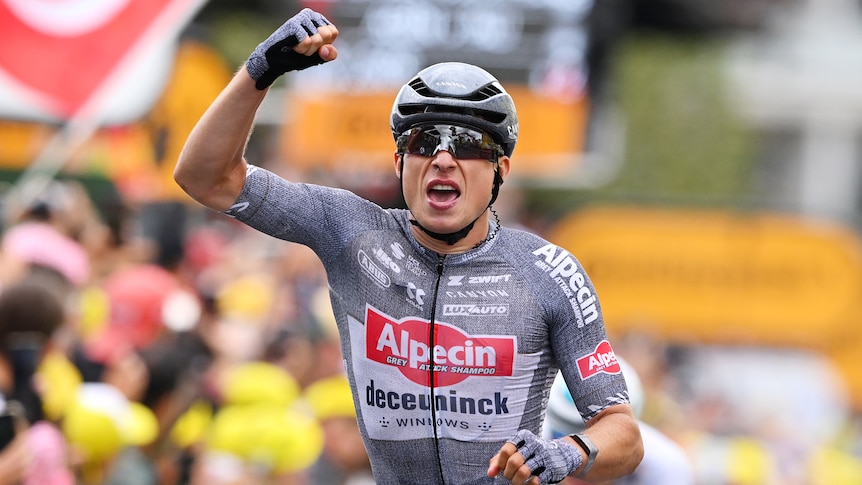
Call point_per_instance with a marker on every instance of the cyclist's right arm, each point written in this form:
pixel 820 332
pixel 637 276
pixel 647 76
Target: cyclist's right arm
pixel 211 167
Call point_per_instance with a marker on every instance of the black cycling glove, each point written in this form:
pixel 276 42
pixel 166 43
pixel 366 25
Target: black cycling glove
pixel 275 56
pixel 551 461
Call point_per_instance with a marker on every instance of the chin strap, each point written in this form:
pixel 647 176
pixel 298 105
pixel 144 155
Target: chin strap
pixel 452 237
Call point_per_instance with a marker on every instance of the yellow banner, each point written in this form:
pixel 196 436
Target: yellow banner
pixel 720 277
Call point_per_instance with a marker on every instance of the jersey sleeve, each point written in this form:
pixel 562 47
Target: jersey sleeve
pixel 322 218
pixel 577 332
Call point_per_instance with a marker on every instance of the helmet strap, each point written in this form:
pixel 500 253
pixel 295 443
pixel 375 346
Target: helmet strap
pixel 498 181
pixel 449 238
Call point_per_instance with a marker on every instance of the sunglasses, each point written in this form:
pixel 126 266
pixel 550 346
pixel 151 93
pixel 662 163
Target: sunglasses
pixel 462 143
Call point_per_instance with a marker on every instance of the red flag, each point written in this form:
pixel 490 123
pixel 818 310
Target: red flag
pixel 58 53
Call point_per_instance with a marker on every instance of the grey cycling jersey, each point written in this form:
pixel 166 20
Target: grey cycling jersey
pixel 496 321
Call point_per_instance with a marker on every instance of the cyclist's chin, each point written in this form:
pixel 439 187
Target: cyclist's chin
pixel 442 223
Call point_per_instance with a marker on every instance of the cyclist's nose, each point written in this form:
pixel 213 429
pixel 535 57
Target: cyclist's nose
pixel 443 159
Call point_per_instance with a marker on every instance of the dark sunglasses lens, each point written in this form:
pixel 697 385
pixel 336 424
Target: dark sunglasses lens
pixel 422 142
pixel 462 143
pixel 471 145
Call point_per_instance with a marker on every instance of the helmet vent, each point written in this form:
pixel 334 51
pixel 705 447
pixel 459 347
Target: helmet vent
pixel 487 91
pixel 413 109
pixel 419 86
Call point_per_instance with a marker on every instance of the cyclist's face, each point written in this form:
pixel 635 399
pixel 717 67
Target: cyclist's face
pixel 446 193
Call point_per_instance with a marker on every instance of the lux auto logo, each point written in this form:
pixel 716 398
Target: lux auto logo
pixel 404 344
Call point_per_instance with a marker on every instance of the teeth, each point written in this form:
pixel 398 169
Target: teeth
pixel 442 187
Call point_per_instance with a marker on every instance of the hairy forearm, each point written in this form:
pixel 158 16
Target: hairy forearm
pixel 211 168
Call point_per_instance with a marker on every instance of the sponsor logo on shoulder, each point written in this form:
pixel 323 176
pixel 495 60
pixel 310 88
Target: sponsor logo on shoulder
pixel 562 267
pixel 377 275
pixel 601 360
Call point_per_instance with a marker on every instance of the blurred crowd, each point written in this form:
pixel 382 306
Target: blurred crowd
pixel 181 347
pixel 163 351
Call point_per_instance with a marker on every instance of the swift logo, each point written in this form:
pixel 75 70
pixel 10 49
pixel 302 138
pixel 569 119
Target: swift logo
pixel 477 280
pixel 455 355
pixel 372 270
pixel 603 359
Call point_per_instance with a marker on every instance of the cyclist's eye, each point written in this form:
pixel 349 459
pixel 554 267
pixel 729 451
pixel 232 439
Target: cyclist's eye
pixel 467 146
pixel 466 141
pixel 427 143
pixel 473 151
pixel 422 143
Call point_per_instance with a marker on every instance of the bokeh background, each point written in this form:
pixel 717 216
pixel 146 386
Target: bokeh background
pixel 702 160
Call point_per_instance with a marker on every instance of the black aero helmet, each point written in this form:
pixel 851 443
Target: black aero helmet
pixel 460 94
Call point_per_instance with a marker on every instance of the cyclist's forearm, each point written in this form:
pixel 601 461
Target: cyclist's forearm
pixel 211 167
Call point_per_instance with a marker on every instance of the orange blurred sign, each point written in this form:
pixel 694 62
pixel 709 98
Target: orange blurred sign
pixel 720 277
pixel 343 131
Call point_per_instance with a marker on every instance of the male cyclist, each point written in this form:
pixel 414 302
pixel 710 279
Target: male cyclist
pixel 452 327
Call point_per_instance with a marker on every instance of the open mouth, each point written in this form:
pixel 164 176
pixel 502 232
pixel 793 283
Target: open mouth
pixel 443 194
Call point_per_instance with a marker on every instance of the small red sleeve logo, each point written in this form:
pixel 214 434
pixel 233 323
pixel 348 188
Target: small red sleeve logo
pixel 602 359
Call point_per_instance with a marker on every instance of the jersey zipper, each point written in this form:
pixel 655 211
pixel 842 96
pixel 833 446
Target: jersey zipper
pixel 441 258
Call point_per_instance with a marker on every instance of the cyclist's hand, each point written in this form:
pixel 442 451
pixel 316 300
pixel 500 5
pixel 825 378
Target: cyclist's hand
pixel 301 42
pixel 526 458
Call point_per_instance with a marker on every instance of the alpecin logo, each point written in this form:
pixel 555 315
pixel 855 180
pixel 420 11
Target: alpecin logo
pixel 603 359
pixel 404 344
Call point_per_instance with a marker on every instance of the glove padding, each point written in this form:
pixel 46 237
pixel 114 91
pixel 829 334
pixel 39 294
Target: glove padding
pixel 551 461
pixel 275 56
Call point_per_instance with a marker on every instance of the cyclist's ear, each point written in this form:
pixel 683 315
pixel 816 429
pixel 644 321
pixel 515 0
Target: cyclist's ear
pixel 503 165
pixel 399 163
